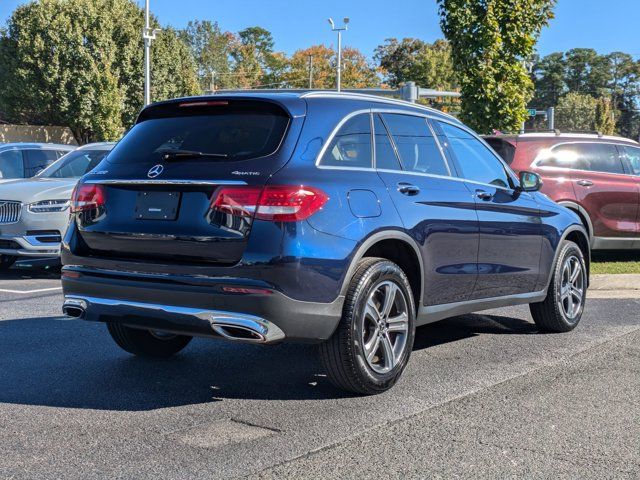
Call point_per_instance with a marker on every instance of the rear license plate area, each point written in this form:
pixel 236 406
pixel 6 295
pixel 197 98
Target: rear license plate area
pixel 157 205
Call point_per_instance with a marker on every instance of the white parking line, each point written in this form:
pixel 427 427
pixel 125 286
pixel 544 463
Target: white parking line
pixel 25 292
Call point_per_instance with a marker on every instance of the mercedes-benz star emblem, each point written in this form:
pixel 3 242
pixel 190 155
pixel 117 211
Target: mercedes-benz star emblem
pixel 155 171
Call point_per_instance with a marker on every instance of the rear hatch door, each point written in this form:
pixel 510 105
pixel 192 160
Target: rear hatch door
pixel 159 182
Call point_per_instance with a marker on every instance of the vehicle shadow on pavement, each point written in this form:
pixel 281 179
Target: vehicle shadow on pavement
pixel 44 272
pixel 471 325
pixel 73 364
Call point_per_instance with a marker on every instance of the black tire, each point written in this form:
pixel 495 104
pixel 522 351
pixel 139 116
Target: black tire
pixel 144 343
pixel 343 355
pixel 6 261
pixel 551 314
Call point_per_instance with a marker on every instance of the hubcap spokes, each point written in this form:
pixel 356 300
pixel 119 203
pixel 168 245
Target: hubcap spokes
pixel 385 325
pixel 572 287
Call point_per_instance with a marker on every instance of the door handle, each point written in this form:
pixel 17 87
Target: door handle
pixel 482 195
pixel 584 183
pixel 408 189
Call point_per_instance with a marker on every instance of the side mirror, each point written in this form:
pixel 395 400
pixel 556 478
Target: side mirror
pixel 530 182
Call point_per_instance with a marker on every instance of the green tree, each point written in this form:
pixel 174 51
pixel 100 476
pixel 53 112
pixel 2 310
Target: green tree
pixel 78 63
pixel 603 117
pixel 576 112
pixel 211 49
pixel 256 63
pixel 412 60
pixel 489 39
pixel 549 80
pixel 587 72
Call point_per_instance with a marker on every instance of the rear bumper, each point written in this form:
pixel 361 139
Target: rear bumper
pixel 197 306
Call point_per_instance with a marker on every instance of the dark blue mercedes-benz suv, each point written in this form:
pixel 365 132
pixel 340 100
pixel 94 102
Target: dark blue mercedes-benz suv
pixel 342 219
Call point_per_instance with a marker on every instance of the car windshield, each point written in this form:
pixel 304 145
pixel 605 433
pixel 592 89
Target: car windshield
pixel 74 164
pixel 11 164
pixel 230 134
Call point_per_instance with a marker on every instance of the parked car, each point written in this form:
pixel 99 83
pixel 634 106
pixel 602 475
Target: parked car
pixel 596 176
pixel 24 160
pixel 342 219
pixel 35 212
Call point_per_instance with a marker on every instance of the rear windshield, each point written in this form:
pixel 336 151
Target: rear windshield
pixel 238 131
pixel 503 148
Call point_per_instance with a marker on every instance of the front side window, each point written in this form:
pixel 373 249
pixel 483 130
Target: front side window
pixel 351 146
pixel 477 163
pixel 38 160
pixel 633 157
pixel 418 149
pixel 74 164
pixel 594 157
pixel 11 164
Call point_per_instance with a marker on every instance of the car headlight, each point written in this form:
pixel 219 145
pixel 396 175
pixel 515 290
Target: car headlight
pixel 48 206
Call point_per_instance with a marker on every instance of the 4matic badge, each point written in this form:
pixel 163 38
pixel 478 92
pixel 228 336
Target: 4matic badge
pixel 236 172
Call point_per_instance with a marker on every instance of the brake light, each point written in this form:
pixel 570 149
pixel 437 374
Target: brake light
pixel 87 197
pixel 276 203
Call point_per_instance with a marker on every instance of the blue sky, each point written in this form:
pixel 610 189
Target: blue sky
pixel 604 25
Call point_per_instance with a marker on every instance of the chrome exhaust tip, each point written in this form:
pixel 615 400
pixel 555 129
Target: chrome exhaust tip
pixel 74 307
pixel 246 329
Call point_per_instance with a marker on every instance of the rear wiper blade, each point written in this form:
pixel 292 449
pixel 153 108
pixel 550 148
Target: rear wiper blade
pixel 184 154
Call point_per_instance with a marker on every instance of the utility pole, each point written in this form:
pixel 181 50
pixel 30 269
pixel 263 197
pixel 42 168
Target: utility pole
pixel 310 72
pixel 212 86
pixel 339 30
pixel 148 35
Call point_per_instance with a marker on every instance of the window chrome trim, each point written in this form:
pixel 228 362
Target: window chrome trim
pixel 163 182
pixel 537 160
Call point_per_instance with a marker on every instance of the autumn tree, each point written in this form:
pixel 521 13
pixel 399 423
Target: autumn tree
pixel 357 72
pixel 489 39
pixel 78 63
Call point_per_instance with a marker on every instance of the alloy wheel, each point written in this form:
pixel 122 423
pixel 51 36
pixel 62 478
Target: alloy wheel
pixel 385 327
pixel 572 287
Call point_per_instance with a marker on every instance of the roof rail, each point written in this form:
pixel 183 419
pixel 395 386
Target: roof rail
pixel 378 94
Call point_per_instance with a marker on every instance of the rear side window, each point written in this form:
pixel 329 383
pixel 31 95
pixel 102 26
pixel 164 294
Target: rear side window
pixel 11 164
pixel 416 146
pixel 477 163
pixel 226 132
pixel 386 158
pixel 38 160
pixel 594 157
pixel 351 146
pixel 503 148
pixel 75 164
pixel 633 157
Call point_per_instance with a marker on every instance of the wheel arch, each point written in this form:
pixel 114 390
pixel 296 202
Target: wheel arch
pixel 397 247
pixel 584 216
pixel 579 236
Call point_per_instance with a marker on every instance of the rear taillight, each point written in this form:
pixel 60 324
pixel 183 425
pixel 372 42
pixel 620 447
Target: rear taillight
pixel 276 203
pixel 87 197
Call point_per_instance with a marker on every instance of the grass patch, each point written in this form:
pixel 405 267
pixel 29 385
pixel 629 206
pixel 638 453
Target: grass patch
pixel 615 262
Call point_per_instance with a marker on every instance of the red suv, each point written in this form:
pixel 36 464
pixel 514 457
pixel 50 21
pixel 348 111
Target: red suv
pixel 596 176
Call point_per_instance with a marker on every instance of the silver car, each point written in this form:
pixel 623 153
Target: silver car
pixel 34 212
pixel 24 160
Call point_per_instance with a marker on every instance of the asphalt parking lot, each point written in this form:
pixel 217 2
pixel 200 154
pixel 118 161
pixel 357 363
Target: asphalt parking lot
pixel 484 396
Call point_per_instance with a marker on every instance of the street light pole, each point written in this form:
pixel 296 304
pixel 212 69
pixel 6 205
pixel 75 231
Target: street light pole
pixel 339 30
pixel 148 35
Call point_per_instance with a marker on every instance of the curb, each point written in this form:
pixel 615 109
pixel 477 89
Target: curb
pixel 615 282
